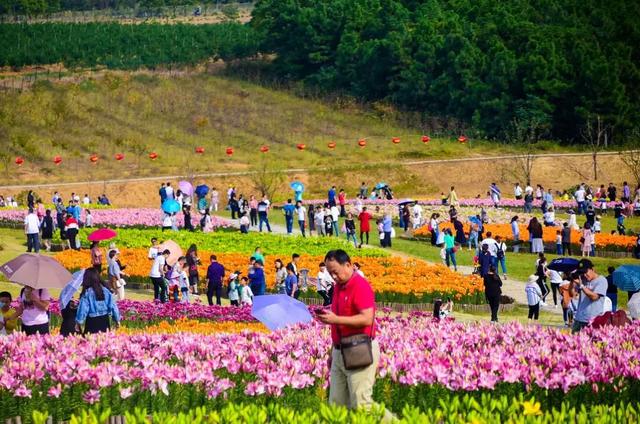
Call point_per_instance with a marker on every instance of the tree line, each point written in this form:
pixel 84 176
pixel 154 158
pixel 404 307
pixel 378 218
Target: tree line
pixel 555 64
pixel 123 46
pixel 44 7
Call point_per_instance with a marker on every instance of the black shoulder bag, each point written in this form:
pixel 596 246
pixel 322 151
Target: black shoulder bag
pixel 356 350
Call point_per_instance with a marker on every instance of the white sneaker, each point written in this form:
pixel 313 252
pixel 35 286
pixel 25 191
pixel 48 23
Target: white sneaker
pixel 543 303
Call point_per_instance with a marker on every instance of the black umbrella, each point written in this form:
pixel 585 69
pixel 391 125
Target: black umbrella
pixel 563 264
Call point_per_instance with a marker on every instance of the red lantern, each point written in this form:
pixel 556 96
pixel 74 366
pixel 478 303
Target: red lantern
pixel 425 139
pixel 362 142
pixel 19 161
pixel 119 156
pixel 301 146
pixel 153 156
pixel 462 139
pixel 93 158
pixel 199 150
pixel 229 151
pixel 395 140
pixel 332 145
pixel 57 160
pixel 264 149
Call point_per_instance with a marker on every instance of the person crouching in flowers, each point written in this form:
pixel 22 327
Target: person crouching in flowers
pixel 97 303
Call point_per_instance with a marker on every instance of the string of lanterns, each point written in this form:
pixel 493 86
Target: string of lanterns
pixel 362 143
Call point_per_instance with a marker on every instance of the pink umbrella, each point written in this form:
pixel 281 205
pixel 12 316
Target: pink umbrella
pixel 102 234
pixel 186 187
pixel 175 250
pixel 36 271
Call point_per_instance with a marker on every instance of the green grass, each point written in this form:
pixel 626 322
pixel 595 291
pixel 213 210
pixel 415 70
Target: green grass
pixel 135 114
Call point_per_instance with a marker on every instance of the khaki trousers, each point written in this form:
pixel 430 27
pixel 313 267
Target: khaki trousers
pixel 353 389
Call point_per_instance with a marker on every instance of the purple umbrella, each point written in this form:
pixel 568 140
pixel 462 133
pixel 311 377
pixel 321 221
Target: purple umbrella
pixel 186 187
pixel 277 311
pixel 36 271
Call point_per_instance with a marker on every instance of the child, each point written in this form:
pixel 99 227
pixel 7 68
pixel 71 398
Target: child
pixel 380 231
pixel 246 295
pixel 534 295
pixel 603 205
pixel 7 326
pixel 184 282
pixel 244 224
pixel 597 226
pixel 234 290
pixel 559 242
pixel 443 255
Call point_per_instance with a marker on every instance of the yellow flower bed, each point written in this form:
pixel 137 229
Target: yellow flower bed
pixel 185 325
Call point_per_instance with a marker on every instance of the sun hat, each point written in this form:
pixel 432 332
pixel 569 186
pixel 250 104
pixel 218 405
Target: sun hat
pixel 533 279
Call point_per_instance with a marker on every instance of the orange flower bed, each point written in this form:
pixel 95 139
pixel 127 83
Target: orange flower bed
pixel 548 234
pixel 185 325
pixel 388 274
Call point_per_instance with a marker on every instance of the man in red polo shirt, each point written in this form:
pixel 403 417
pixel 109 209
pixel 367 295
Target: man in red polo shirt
pixel 353 310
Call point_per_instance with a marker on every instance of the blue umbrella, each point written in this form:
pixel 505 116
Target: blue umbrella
pixel 69 290
pixel 202 190
pixel 627 277
pixel 277 311
pixel 297 186
pixel 563 264
pixel 380 185
pixel 171 206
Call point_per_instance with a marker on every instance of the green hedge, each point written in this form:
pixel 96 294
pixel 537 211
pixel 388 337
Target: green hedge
pixel 460 409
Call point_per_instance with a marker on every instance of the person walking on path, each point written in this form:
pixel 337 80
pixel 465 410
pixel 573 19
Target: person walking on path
pixel 493 291
pixel 591 290
pixel 263 209
pixel 450 246
pixel 215 274
pixel 302 217
pixel 352 313
pixel 534 297
pixel 365 226
pixel 515 232
pixel 387 226
pixel 289 209
pixel 32 230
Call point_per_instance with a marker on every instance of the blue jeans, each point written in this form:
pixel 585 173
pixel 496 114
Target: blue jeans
pixel 352 236
pixel 263 218
pixel 473 237
pixel 33 242
pixel 503 264
pixel 336 232
pixel 528 206
pixel 580 210
pixel 451 258
pixel 289 221
pixel 301 224
pixel 614 301
pixel 559 249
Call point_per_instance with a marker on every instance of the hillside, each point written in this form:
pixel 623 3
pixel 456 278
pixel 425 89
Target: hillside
pixel 136 114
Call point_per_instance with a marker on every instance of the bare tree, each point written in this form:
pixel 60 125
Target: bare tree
pixel 525 132
pixel 267 178
pixel 631 159
pixel 596 135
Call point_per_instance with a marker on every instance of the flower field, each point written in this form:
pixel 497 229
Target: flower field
pixel 388 275
pixel 603 240
pixel 121 218
pixel 422 362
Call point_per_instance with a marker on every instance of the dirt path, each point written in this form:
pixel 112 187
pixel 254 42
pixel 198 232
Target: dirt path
pixel 299 170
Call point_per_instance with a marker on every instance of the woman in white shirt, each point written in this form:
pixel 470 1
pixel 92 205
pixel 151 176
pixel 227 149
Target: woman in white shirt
pixel 167 223
pixel 550 217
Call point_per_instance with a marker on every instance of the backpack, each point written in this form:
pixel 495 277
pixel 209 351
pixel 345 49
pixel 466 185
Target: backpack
pixel 500 251
pixel 617 319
